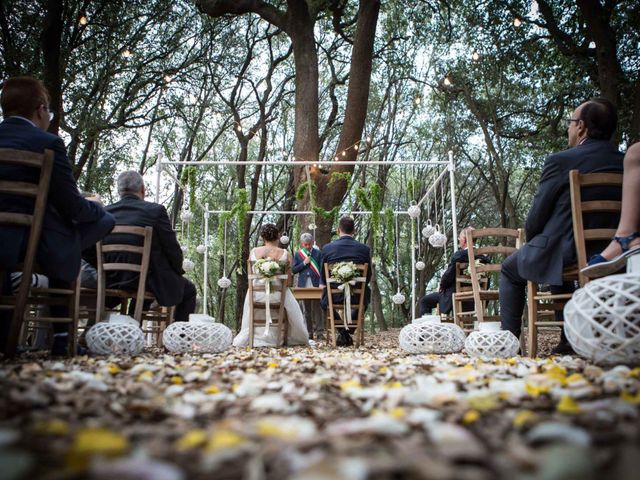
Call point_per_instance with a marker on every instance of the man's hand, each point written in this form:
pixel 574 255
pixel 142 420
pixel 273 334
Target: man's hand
pixel 307 260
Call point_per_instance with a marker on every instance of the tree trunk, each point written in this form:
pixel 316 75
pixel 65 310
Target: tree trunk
pixel 50 41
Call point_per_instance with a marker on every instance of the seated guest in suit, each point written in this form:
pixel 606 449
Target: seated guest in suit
pixel 550 244
pixel 345 249
pixel 71 223
pixel 443 296
pixel 626 241
pixel 165 278
pixel 306 263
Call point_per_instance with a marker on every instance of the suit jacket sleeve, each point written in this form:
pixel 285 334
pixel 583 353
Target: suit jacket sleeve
pixel 63 191
pixel 298 264
pixel 168 241
pixel 449 276
pixel 545 198
pixel 323 277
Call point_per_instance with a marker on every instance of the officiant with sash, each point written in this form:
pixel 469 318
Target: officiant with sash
pixel 306 263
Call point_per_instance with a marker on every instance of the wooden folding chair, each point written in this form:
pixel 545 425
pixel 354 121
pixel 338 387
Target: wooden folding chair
pixel 463 297
pixel 496 252
pixel 345 319
pixel 276 307
pixel 545 304
pixel 154 320
pixel 26 295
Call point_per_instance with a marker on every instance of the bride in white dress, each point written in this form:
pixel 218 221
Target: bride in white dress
pixel 297 331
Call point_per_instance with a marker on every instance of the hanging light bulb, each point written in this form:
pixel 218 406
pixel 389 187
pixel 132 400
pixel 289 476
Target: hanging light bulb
pixel 592 44
pixel 126 53
pixel 355 147
pixel 83 20
pixel 168 78
pixel 417 100
pixel 475 56
pixel 344 153
pixel 368 139
pixel 447 81
pixel 517 22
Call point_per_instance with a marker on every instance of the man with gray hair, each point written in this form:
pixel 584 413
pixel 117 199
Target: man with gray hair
pixel 165 278
pixel 306 263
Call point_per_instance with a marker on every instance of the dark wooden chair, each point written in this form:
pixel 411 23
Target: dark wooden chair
pixel 345 319
pixel 154 319
pixel 542 305
pixel 27 296
pixel 277 307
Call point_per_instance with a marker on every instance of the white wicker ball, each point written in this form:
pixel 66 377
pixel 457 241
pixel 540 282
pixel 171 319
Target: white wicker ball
pixel 428 230
pixel 115 338
pixel 427 319
pixel 398 298
pixel 186 216
pixel 284 240
pixel 414 211
pixel 431 337
pixel 420 265
pixel 602 320
pixel 203 337
pixel 224 282
pixel 188 265
pixel 490 342
pixel 201 249
pixel 437 239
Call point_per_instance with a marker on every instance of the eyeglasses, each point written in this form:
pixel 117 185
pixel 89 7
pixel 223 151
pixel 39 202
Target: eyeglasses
pixel 569 120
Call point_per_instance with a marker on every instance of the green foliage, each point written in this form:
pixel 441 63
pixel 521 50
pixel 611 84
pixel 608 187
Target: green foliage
pixel 389 231
pixel 331 215
pixel 339 176
pixel 303 188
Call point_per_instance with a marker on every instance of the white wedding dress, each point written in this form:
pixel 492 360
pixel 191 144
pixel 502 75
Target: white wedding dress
pixel 297 331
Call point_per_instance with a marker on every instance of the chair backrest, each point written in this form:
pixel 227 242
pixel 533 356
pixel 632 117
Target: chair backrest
pixel 38 192
pixel 358 289
pixel 603 213
pixel 138 263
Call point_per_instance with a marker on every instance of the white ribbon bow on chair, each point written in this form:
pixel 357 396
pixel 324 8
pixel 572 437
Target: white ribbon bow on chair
pixel 267 304
pixel 346 287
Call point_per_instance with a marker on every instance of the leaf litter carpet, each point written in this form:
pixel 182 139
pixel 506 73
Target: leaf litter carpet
pixel 318 413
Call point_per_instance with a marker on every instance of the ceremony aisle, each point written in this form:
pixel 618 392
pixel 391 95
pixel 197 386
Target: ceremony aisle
pixel 317 413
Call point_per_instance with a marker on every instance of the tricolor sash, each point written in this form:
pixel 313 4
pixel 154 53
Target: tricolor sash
pixel 304 253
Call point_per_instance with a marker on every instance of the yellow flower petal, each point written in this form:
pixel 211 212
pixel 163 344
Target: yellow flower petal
pixel 471 416
pixel 483 403
pixel 398 412
pixel 576 377
pixel 52 427
pixel 568 405
pixel 272 365
pixel 635 372
pixel 95 441
pixel 145 376
pixel 392 385
pixel 177 380
pixel 383 370
pixel 222 439
pixel 630 397
pixel 523 417
pixel 350 385
pixel 212 390
pixel 191 439
pixel 536 390
pixel 113 369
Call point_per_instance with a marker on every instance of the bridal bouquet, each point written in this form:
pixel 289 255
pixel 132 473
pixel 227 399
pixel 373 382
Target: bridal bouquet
pixel 478 264
pixel 344 272
pixel 265 267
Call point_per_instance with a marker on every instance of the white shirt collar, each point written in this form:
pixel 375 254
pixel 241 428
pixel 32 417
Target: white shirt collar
pixel 22 118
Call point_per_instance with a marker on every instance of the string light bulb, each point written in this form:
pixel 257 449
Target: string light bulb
pixel 83 20
pixel 368 139
pixel 517 22
pixel 355 147
pixel 418 100
pixel 168 78
pixel 337 158
pixel 344 153
pixel 592 44
pixel 475 56
pixel 126 53
pixel 447 81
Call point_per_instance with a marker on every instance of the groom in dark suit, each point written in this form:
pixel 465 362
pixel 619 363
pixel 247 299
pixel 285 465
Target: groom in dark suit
pixel 549 231
pixel 71 223
pixel 345 249
pixel 165 278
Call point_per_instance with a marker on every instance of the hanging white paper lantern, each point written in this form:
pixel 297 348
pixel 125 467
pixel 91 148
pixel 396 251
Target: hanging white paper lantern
pixel 398 298
pixel 432 337
pixel 224 282
pixel 414 211
pixel 428 230
pixel 420 265
pixel 188 265
pixel 284 239
pixel 602 320
pixel 437 239
pixel 186 216
pixel 197 336
pixel 489 342
pixel 121 335
pixel 201 249
pixel 312 226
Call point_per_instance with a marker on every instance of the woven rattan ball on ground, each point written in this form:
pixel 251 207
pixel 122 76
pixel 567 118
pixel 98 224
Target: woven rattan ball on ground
pixel 106 338
pixel 203 337
pixel 490 342
pixel 602 320
pixel 431 337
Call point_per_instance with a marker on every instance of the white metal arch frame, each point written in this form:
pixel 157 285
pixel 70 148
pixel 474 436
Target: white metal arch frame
pixel 450 169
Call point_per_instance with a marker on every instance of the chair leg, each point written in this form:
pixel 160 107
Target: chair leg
pixel 251 325
pixel 18 318
pixel 532 313
pixel 74 310
pixel 334 340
